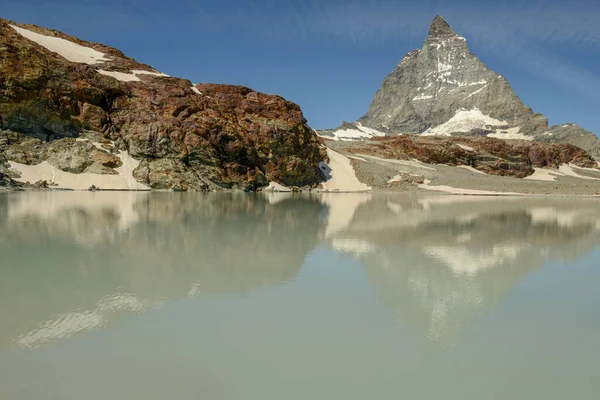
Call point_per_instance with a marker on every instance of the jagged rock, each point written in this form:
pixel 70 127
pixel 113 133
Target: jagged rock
pixel 431 84
pixel 489 155
pixel 209 136
pixel 78 157
pixel 572 134
pixel 169 173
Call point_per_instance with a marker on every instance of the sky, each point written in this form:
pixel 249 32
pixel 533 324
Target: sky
pixel 331 56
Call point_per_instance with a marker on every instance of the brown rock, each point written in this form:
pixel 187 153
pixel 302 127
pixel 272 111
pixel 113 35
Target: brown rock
pixel 489 155
pixel 226 137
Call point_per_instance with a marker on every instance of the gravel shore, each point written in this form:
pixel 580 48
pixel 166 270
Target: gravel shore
pixel 410 177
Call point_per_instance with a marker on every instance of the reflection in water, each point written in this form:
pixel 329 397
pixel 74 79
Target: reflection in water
pixel 108 251
pixel 435 262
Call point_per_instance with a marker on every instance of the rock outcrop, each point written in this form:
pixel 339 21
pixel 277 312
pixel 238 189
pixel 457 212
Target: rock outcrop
pixel 492 156
pixel 201 137
pixel 442 89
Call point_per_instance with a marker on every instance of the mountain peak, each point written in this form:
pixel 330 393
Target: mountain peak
pixel 440 28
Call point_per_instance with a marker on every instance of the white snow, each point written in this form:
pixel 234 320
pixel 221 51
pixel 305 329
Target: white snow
pixel 441 67
pixel 359 132
pixel 595 170
pixel 568 170
pixel 339 175
pixel 66 180
pixel 142 72
pixel 276 187
pixel 120 76
pixel 71 51
pixel 475 92
pixel 195 89
pixel 453 190
pixel 423 97
pixel 544 174
pixel 467 148
pixel 469 168
pixel 463 121
pixel 129 77
pixel 481 82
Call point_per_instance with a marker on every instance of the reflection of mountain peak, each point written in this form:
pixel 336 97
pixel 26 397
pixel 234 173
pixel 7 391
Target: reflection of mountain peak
pixel 438 263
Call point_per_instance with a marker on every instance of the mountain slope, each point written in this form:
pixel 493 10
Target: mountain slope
pixel 442 89
pixel 431 84
pixel 183 136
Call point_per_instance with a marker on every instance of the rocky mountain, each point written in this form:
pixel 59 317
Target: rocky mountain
pixel 443 89
pixel 68 106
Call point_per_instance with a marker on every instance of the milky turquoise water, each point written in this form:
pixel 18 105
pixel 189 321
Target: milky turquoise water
pixel 190 296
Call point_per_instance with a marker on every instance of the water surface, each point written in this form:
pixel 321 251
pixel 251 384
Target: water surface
pixel 235 296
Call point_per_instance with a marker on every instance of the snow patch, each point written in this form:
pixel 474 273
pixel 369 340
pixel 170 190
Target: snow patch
pixel 276 187
pixel 423 97
pixel 120 76
pixel 543 174
pixel 453 190
pixel 339 174
pixel 464 121
pixel 142 72
pixel 124 180
pixel 467 148
pixel 196 90
pixel 71 51
pixel 129 77
pixel 567 169
pixel 475 92
pixel 359 132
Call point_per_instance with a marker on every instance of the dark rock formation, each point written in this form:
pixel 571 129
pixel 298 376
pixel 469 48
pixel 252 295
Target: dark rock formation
pixel 199 137
pixel 489 155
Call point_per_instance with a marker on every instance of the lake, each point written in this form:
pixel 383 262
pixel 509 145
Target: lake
pixel 124 295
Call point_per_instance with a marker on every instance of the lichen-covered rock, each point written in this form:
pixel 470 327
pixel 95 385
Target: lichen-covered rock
pixel 206 136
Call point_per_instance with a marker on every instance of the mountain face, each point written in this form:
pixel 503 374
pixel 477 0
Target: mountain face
pixel 54 87
pixel 443 89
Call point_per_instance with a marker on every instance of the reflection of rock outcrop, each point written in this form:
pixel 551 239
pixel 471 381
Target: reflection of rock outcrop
pixel 102 255
pixel 437 265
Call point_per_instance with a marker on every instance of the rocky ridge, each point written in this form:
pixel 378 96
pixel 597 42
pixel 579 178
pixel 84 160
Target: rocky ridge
pixel 489 155
pixel 55 88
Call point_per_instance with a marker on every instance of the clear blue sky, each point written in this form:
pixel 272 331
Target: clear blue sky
pixel 330 56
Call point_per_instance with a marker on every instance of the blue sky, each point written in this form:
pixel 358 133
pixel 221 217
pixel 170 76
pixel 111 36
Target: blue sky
pixel 330 56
